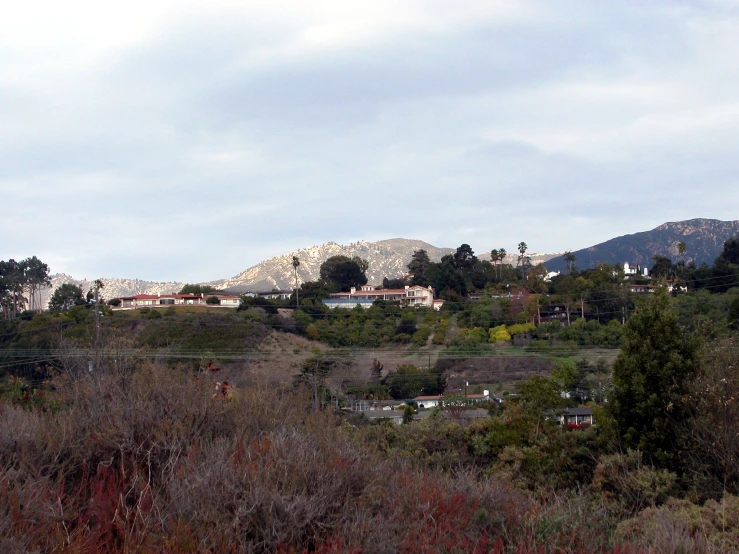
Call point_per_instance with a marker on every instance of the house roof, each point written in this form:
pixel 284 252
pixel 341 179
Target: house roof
pixel 579 411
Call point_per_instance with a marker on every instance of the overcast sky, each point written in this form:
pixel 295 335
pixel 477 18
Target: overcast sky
pixel 176 140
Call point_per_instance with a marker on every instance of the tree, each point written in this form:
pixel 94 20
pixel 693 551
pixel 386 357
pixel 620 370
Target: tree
pixel 715 426
pixel 313 375
pixel 464 258
pixel 726 267
pixel 733 317
pixel 501 257
pixel 681 248
pixel 540 395
pixel 535 278
pixel 296 264
pixel 393 283
pixel 497 256
pixel 66 296
pixel 446 279
pixel 570 258
pixel 565 288
pixel 651 380
pixel 344 272
pixel 662 267
pixel 36 277
pixel 212 300
pixel 12 284
pixel 197 289
pixel 522 258
pixel 418 265
pixel 313 292
pixel 408 382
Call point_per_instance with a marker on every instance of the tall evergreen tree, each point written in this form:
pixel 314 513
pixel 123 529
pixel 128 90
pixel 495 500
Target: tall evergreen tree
pixel 651 380
pixel 418 265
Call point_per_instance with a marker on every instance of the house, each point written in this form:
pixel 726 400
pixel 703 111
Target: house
pixel 175 299
pixel 347 303
pixel 361 405
pixel 415 296
pixel 635 270
pixel 641 288
pixel 228 300
pixel 558 312
pixel 159 300
pixel 576 416
pixel 676 286
pixel 630 270
pixel 396 416
pixel 427 402
pixel 438 303
pixel 276 294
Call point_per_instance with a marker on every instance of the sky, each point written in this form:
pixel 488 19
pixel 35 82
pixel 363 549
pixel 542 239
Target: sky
pixel 187 141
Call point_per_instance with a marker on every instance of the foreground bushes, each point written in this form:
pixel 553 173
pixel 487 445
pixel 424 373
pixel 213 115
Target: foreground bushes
pixel 155 461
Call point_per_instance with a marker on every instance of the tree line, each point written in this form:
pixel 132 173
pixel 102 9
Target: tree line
pixel 21 283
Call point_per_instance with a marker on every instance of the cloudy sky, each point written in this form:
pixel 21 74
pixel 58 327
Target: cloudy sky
pixel 177 140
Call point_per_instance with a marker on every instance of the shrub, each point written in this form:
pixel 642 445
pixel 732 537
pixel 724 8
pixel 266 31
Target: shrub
pixel 499 334
pixel 630 484
pixel 440 332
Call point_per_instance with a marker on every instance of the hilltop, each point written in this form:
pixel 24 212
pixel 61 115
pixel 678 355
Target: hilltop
pixel 703 238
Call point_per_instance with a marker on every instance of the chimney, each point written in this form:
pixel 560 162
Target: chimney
pixel 352 290
pixel 486 393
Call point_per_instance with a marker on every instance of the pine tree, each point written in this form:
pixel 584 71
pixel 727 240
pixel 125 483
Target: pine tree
pixel 651 377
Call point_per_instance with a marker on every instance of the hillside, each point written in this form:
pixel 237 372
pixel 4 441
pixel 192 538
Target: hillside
pixel 387 258
pixel 703 238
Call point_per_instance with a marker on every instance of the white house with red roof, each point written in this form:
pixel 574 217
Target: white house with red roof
pixel 415 296
pixel 175 299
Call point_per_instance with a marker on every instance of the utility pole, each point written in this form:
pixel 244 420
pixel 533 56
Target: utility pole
pixel 97 313
pixel 98 286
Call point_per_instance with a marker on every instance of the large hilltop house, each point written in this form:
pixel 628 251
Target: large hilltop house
pixel 164 300
pixel 414 296
pixel 635 270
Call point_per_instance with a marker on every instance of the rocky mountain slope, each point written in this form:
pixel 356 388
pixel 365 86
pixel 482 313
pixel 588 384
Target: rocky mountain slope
pixel 703 238
pixel 387 258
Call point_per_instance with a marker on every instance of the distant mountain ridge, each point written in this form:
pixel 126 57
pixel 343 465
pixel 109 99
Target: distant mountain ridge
pixel 386 258
pixel 703 238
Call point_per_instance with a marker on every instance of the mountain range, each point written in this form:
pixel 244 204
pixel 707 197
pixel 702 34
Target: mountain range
pixel 704 239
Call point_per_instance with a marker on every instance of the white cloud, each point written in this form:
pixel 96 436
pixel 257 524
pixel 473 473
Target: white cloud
pixel 247 129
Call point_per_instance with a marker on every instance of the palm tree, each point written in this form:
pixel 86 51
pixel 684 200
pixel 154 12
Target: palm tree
pixel 296 263
pixel 494 258
pixel 681 248
pixel 522 247
pixel 570 258
pixel 501 257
